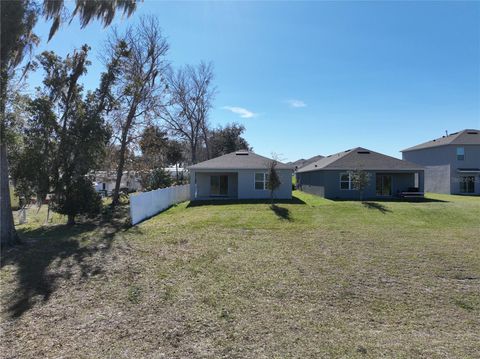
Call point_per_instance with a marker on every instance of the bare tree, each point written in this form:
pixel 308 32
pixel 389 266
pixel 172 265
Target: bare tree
pixel 190 96
pixel 138 86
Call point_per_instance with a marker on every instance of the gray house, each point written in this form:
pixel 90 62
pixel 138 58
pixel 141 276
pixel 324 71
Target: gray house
pixel 237 175
pixel 331 176
pixel 452 163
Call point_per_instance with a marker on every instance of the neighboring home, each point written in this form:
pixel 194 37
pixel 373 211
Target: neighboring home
pixel 302 162
pixel 331 177
pixel 238 175
pixel 452 162
pixel 104 181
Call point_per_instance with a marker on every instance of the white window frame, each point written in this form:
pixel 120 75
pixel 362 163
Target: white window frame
pixel 264 181
pixel 462 154
pixel 350 186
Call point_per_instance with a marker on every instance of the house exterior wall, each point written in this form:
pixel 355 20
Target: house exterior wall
pixel 327 183
pixel 203 183
pixel 241 184
pixel 441 175
pixel 246 185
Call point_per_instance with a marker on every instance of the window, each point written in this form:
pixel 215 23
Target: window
pixel 467 184
pixel 346 181
pixel 261 180
pixel 460 153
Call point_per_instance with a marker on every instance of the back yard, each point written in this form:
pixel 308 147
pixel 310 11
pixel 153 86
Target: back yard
pixel 307 279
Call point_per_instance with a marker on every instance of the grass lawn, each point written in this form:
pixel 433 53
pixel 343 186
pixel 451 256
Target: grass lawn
pixel 307 279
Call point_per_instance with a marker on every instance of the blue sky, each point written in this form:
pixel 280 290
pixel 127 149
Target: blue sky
pixel 308 78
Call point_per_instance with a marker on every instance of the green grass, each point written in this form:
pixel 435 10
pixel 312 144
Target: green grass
pixel 305 279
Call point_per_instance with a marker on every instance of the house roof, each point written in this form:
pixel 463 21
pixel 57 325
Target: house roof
pixel 465 137
pixel 236 161
pixel 360 158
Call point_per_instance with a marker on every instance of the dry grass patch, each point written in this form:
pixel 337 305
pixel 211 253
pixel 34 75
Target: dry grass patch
pixel 311 278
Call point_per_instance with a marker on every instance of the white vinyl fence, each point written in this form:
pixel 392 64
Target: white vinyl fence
pixel 145 205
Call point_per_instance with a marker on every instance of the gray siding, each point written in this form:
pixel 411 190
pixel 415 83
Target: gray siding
pixel 441 174
pixel 241 184
pixel 327 183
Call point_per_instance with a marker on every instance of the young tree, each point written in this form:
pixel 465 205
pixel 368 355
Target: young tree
pixel 190 95
pixel 18 40
pixel 273 181
pixel 360 181
pixel 138 86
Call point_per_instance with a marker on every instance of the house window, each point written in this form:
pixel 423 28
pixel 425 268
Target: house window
pixel 346 181
pixel 261 180
pixel 460 153
pixel 467 184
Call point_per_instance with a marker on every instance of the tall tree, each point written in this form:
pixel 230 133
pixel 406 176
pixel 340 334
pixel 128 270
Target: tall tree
pixel 138 87
pixel 68 134
pixel 190 97
pixel 18 19
pixel 227 139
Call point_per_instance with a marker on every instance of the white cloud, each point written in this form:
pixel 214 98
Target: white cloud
pixel 296 103
pixel 242 112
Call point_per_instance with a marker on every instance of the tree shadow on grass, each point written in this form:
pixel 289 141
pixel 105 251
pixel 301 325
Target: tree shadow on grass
pixel 375 205
pixel 51 253
pixel 219 202
pixel 281 212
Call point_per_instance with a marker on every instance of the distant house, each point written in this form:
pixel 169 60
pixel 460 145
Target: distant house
pixel 452 163
pixel 237 175
pixel 104 181
pixel 331 176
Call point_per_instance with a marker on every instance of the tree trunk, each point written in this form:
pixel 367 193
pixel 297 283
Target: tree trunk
pixel 193 149
pixel 176 171
pixel 70 220
pixel 8 234
pixel 123 148
pixel 118 180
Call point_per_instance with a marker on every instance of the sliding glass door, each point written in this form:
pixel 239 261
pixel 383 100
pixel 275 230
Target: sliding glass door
pixel 383 185
pixel 218 185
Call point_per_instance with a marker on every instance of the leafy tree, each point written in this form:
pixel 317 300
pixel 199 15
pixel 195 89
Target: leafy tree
pixel 137 89
pixel 190 95
pixel 273 181
pixel 18 40
pixel 158 178
pixel 228 139
pixel 175 155
pixel 154 146
pixel 31 170
pixel 66 134
pixel 79 198
pixel 360 181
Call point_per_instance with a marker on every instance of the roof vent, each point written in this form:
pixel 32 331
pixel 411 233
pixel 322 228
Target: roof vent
pixel 363 152
pixel 241 153
pixel 347 151
pixel 472 133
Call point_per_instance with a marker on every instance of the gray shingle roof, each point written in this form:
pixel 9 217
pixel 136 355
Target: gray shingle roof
pixel 360 158
pixel 237 161
pixel 465 137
